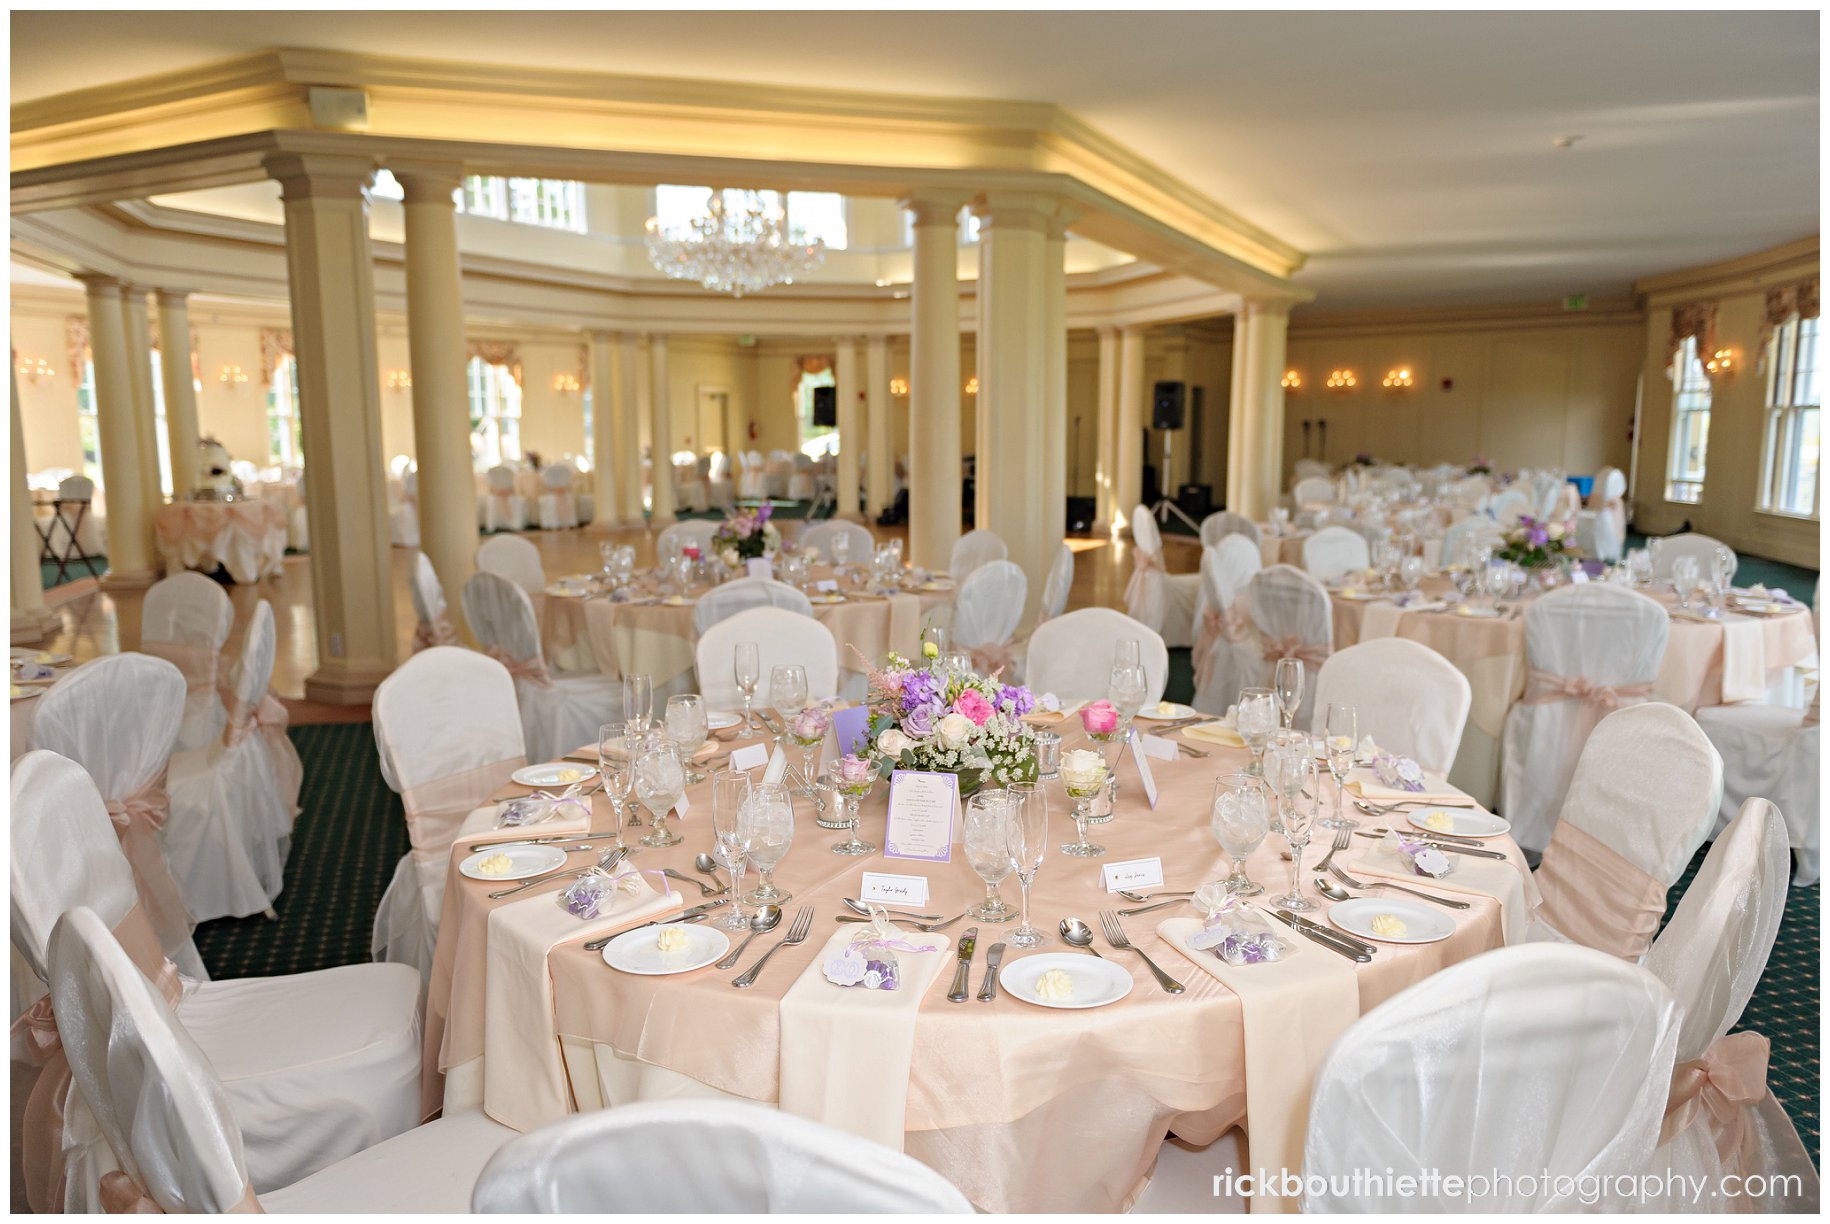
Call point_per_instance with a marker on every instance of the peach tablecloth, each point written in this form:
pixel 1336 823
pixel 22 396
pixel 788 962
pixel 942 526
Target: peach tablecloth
pixel 1024 1109
pixel 247 538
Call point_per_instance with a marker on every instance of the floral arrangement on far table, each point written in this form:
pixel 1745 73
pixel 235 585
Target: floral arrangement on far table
pixel 747 534
pixel 957 722
pixel 1535 544
pixel 1482 466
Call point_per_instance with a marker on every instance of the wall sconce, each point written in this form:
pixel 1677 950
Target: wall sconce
pixel 1340 380
pixel 1398 380
pixel 231 376
pixel 399 380
pixel 34 368
pixel 1292 380
pixel 899 388
pixel 567 384
pixel 972 385
pixel 1721 365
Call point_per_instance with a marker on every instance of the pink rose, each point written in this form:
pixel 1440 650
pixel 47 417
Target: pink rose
pixel 1099 718
pixel 854 770
pixel 811 723
pixel 973 705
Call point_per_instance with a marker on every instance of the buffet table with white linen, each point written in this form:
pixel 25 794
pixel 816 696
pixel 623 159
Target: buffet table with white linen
pixel 247 538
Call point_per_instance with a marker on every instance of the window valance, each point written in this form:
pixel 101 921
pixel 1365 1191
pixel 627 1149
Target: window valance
pixel 276 342
pixel 497 352
pixel 1784 301
pixel 1693 319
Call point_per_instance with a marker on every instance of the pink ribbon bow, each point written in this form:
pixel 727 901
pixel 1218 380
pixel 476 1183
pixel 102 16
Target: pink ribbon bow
pixel 436 632
pixel 1312 654
pixel 1229 623
pixel 1719 1086
pixel 1543 686
pixel 992 658
pixel 533 670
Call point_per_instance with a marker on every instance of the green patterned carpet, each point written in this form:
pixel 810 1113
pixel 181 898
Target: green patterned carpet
pixel 353 832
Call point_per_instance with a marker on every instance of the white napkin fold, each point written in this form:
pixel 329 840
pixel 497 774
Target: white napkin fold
pixel 1364 781
pixel 1743 659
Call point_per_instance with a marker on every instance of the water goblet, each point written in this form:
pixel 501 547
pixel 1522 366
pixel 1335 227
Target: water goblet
pixel 765 825
pixel 1126 653
pixel 746 670
pixel 1027 845
pixel 1722 566
pixel 606 553
pixel 1341 723
pixel 1639 566
pixel 1255 720
pixel 788 689
pixel 1297 820
pixel 686 728
pixel 1287 680
pixel 853 777
pixel 660 780
pixel 840 544
pixel 613 768
pixel 1410 571
pixel 1684 574
pixel 1284 758
pixel 1239 817
pixel 1083 774
pixel 638 700
pixel 730 790
pixel 987 836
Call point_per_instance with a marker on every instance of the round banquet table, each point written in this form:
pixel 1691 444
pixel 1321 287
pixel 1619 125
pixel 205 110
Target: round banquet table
pixel 1025 1109
pixel 247 538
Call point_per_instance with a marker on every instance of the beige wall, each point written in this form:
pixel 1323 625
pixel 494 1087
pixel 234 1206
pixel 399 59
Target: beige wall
pixel 47 408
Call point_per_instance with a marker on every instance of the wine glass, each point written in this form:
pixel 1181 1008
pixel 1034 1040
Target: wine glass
pixel 987 837
pixel 1410 571
pixel 613 769
pixel 1255 720
pixel 1722 566
pixel 765 825
pixel 730 790
pixel 660 780
pixel 1240 819
pixel 746 669
pixel 1083 774
pixel 1342 731
pixel 1684 579
pixel 788 689
pixel 840 544
pixel 1639 566
pixel 686 728
pixel 1297 820
pixel 1027 844
pixel 638 700
pixel 1287 680
pixel 1126 653
pixel 606 553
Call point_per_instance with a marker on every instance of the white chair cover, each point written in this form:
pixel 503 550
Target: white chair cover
pixel 1459 541
pixel 974 549
pixel 1313 491
pixel 1601 529
pixel 1155 597
pixel 618 1160
pixel 557 505
pixel 1222 622
pixel 1771 751
pixel 403 513
pixel 1411 700
pixel 1565 505
pixel 1508 504
pixel 739 594
pixel 1588 650
pixel 558 713
pixel 693 533
pixel 1642 800
pixel 986 614
pixel 117 716
pixel 1526 1061
pixel 689 487
pixel 185 619
pixel 819 536
pixel 752 479
pixel 781 636
pixel 801 485
pixel 1544 492
pixel 1292 617
pixel 1334 552
pixel 433 619
pixel 1071 655
pixel 1302 469
pixel 449 735
pixel 501 508
pixel 718 487
pixel 1722 1121
pixel 1222 523
pixel 516 559
pixel 1689 544
pixel 1059 583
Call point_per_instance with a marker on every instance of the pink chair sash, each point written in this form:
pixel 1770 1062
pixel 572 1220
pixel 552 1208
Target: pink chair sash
pixel 198 663
pixel 137 820
pixel 1716 1090
pixel 533 670
pixel 1230 623
pixel 267 716
pixel 1143 564
pixel 1312 654
pixel 437 632
pixel 436 809
pixel 1595 896
pixel 1597 700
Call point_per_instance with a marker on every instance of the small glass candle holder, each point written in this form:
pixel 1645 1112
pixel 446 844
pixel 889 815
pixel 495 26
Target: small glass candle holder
pixel 1048 754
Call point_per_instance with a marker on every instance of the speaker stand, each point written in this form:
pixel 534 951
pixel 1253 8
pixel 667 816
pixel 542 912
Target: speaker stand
pixel 1164 505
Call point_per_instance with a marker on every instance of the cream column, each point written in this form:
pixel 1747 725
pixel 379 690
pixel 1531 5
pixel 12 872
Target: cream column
pixel 1054 372
pixel 181 429
pixel 1105 469
pixel 1180 442
pixel 629 412
pixel 606 480
pixel 145 413
pixel 32 621
pixel 445 482
pixel 880 478
pixel 1256 442
pixel 1128 429
pixel 130 556
pixel 661 435
pixel 330 269
pixel 934 380
pixel 851 428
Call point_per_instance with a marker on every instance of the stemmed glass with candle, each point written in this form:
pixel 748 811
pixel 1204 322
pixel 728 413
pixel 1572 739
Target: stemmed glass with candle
pixel 1083 773
pixel 746 670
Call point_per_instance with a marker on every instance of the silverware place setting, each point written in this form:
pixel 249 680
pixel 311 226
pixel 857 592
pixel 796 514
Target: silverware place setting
pixel 1115 935
pixel 929 928
pixel 803 922
pixel 1348 880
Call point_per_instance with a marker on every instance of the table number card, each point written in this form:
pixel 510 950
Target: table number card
pixel 826 585
pixel 1143 768
pixel 1133 874
pixel 886 889
pixel 924 808
pixel 851 729
pixel 760 567
pixel 746 759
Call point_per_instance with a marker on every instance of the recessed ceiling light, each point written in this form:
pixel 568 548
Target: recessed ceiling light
pixel 1564 142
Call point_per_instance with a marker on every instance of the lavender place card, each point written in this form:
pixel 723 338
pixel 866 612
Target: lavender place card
pixel 924 809
pixel 851 729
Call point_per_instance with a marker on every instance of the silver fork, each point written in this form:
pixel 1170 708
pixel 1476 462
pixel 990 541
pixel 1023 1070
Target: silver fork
pixel 1138 896
pixel 1348 880
pixel 929 927
pixel 1342 839
pixel 1382 809
pixel 803 921
pixel 704 889
pixel 1145 909
pixel 1115 935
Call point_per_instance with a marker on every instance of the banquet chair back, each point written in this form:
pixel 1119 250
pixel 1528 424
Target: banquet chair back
pixel 819 536
pixel 558 508
pixel 1588 650
pixel 185 619
pixel 1565 504
pixel 1222 666
pixel 1463 535
pixel 1541 1058
pixel 432 617
pixel 986 614
pixel 738 595
pixel 1411 700
pixel 1689 544
pixel 688 533
pixel 504 509
pixel 1333 552
pixel 1508 504
pixel 1222 523
pixel 515 559
pixel 1313 491
pixel 1293 619
pixel 1642 800
pixel 781 637
pixel 1071 655
pixel 1059 583
pixel 974 549
pixel 1546 489
pixel 1601 529
pixel 1145 597
pixel 1305 468
pixel 502 616
pixel 768 1161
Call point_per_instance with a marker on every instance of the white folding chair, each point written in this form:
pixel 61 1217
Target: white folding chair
pixel 1667 550
pixel 1601 529
pixel 1164 601
pixel 1411 700
pixel 1293 619
pixel 1577 1045
pixel 1506 506
pixel 558 713
pixel 768 1161
pixel 986 613
pixel 781 637
pixel 1226 654
pixel 449 734
pixel 688 533
pixel 185 619
pixel 974 549
pixel 1071 655
pixel 432 625
pixel 515 559
pixel 819 536
pixel 1059 583
pixel 1222 523
pixel 1335 552
pixel 557 507
pixel 317 1066
pixel 740 594
pixel 86 525
pixel 1588 650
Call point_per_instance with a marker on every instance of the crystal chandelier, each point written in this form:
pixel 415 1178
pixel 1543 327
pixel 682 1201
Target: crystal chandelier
pixel 740 245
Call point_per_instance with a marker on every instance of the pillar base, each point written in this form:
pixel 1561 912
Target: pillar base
pixel 343 687
pixel 128 580
pixel 35 626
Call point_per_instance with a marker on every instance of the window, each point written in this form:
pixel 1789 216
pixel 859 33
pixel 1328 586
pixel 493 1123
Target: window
pixel 495 413
pixel 817 214
pixel 816 440
pixel 968 227
pixel 386 186
pixel 1792 420
pixel 284 446
pixel 553 203
pixel 86 427
pixel 164 439
pixel 1689 425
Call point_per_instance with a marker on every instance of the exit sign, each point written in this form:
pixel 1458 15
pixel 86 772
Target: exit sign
pixel 1576 301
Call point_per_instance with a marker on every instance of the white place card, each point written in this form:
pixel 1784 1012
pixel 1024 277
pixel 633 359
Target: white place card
pixel 1143 768
pixel 1132 873
pixel 1578 575
pixel 681 806
pixel 750 757
pixel 1157 747
pixel 759 567
pixel 886 889
pixel 826 584
pixel 924 810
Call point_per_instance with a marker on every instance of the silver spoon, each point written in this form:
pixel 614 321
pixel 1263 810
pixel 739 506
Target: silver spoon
pixel 1078 934
pixel 764 919
pixel 706 865
pixel 1330 891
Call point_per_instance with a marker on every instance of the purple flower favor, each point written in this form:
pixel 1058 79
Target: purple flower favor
pixel 1399 773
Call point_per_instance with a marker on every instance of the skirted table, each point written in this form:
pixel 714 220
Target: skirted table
pixel 247 538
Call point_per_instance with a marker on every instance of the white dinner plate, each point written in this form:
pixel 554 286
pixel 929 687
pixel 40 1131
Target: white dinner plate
pixel 718 720
pixel 1358 594
pixel 554 773
pixel 635 951
pixel 46 657
pixel 935 586
pixel 1423 923
pixel 1097 982
pixel 524 861
pixel 1466 823
pixel 1478 613
pixel 20 694
pixel 1167 710
pixel 826 599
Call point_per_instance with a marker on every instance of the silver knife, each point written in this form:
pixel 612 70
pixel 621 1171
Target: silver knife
pixel 688 915
pixel 1458 849
pixel 967 942
pixel 1321 937
pixel 1358 945
pixel 993 959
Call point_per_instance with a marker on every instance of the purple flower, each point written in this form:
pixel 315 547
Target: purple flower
pixel 919 688
pixel 1016 699
pixel 763 512
pixel 919 722
pixel 1537 537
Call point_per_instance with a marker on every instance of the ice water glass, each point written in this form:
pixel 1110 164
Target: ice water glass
pixel 1342 730
pixel 788 689
pixel 765 825
pixel 660 780
pixel 987 836
pixel 1027 844
pixel 1255 720
pixel 1287 680
pixel 730 791
pixel 746 670
pixel 840 543
pixel 686 728
pixel 1684 579
pixel 1240 819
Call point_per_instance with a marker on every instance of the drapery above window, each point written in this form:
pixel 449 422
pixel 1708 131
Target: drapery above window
pixel 497 352
pixel 276 342
pixel 1696 319
pixel 76 337
pixel 1782 302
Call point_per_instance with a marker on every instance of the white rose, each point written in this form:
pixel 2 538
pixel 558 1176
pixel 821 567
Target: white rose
pixel 1082 769
pixel 730 557
pixel 955 729
pixel 892 742
pixel 1554 531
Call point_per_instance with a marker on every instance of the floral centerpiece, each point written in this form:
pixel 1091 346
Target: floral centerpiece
pixel 747 534
pixel 1482 466
pixel 950 721
pixel 1535 544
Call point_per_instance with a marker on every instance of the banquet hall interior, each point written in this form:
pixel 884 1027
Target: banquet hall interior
pixel 922 611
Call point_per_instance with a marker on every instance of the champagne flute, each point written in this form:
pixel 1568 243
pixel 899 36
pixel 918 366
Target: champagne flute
pixel 1297 821
pixel 686 728
pixel 1240 819
pixel 1028 843
pixel 765 826
pixel 746 669
pixel 987 837
pixel 1342 728
pixel 840 543
pixel 1287 680
pixel 660 780
pixel 1255 720
pixel 614 769
pixel 638 700
pixel 730 790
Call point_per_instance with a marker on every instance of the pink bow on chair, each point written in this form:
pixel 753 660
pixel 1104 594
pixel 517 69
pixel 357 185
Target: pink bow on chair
pixel 1716 1088
pixel 1231 624
pixel 533 670
pixel 1144 563
pixel 1543 686
pixel 992 658
pixel 1312 654
pixel 437 632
